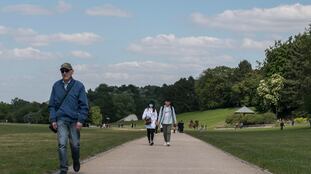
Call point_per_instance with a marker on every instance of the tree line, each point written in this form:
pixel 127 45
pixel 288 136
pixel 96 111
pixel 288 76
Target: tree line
pixel 281 84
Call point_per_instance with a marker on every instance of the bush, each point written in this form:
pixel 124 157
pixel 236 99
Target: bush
pixel 301 120
pixel 266 118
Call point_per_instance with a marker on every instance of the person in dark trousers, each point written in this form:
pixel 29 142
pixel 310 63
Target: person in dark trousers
pixel 150 116
pixel 167 118
pixel 181 126
pixel 68 107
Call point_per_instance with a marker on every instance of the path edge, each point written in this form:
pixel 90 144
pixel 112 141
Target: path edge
pixel 99 154
pixel 235 157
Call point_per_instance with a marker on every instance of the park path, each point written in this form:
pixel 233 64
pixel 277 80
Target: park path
pixel 187 155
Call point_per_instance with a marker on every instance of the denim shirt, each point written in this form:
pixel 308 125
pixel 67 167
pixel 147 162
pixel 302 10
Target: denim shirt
pixel 75 106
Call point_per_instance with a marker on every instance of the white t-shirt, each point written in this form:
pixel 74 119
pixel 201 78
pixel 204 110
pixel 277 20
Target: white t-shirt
pixel 167 114
pixel 148 113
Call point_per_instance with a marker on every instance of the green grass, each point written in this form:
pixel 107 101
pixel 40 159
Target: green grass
pixel 212 118
pixel 281 152
pixel 32 149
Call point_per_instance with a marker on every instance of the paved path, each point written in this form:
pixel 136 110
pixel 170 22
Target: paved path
pixel 187 155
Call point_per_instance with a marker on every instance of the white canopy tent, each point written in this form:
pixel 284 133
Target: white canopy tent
pixel 244 110
pixel 131 117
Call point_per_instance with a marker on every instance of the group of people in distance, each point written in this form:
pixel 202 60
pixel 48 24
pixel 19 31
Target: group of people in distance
pixel 166 119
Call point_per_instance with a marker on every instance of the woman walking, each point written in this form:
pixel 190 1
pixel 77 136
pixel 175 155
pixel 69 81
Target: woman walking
pixel 150 116
pixel 167 117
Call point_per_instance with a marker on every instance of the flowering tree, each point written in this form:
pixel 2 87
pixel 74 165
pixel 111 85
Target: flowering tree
pixel 270 90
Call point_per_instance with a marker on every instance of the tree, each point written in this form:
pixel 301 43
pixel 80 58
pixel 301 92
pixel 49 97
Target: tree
pixel 213 88
pixel 96 116
pixel 182 93
pixel 123 104
pixel 292 60
pixel 244 68
pixel 245 91
pixel 270 90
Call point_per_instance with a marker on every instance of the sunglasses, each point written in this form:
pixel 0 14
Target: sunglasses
pixel 64 71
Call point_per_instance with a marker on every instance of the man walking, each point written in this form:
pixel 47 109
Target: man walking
pixel 68 108
pixel 167 117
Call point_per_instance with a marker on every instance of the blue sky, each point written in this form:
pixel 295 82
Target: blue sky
pixel 134 42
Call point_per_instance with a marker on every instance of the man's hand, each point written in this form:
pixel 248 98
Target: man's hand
pixel 79 125
pixel 54 124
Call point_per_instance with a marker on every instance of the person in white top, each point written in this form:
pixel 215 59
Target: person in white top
pixel 150 116
pixel 167 118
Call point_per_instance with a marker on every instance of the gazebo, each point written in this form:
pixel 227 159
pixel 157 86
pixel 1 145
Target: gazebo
pixel 244 110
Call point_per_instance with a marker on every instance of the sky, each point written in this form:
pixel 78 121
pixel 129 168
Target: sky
pixel 134 41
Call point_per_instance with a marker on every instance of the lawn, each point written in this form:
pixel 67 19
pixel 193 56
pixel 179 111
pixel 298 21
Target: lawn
pixel 212 118
pixel 281 152
pixel 27 149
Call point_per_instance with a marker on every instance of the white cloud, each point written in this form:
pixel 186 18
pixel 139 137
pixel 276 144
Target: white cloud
pixel 253 44
pixel 27 9
pixel 27 53
pixel 31 9
pixel 84 38
pixel 29 36
pixel 63 7
pixel 277 19
pixel 3 30
pixel 135 72
pixel 170 45
pixel 81 54
pixel 107 10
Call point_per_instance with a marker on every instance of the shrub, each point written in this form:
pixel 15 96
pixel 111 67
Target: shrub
pixel 301 120
pixel 266 118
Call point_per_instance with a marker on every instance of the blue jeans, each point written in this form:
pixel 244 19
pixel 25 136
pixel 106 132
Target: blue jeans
pixel 67 130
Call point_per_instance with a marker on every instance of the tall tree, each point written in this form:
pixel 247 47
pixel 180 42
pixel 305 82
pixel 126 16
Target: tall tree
pixel 214 88
pixel 270 90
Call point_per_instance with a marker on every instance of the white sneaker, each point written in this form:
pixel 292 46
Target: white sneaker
pixel 168 144
pixel 165 144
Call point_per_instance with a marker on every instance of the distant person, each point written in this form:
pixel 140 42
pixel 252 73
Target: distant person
pixel 167 118
pixel 181 126
pixel 293 122
pixel 132 125
pixel 241 125
pixel 68 107
pixel 282 125
pixel 196 124
pixel 150 116
pixel 191 124
pixel 201 127
pixel 236 126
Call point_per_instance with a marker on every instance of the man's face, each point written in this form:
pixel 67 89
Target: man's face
pixel 66 74
pixel 167 103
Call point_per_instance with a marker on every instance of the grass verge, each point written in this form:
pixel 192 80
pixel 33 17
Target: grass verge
pixel 281 152
pixel 32 149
